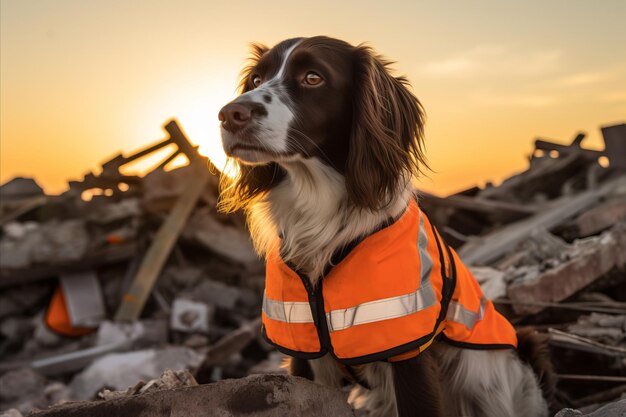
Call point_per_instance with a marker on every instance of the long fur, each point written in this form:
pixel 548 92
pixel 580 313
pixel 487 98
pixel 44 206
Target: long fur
pixel 318 204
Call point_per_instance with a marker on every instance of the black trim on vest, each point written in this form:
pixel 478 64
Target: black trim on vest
pixel 476 346
pixel 294 353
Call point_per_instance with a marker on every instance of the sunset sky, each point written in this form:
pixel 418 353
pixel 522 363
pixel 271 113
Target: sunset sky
pixel 83 80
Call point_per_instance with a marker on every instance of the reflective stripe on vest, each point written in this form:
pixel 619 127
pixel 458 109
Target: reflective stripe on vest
pixel 288 312
pixel 459 314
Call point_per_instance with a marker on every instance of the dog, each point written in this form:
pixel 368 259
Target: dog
pixel 327 143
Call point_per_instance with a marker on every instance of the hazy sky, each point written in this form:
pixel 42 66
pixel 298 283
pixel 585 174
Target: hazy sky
pixel 82 80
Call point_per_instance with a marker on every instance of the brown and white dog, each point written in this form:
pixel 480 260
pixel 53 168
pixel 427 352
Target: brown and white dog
pixel 327 143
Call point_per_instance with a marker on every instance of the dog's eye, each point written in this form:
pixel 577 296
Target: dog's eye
pixel 256 81
pixel 312 78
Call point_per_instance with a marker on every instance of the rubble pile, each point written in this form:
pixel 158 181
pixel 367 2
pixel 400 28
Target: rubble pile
pixel 548 245
pixel 125 287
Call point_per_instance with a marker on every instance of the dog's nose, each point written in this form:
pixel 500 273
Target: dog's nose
pixel 234 116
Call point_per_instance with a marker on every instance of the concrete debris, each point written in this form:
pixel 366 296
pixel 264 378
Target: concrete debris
pixel 11 412
pixel 254 396
pixel 190 316
pixel 222 239
pixel 215 293
pixel 617 409
pixel 56 241
pixel 118 371
pixel 20 188
pixel 168 380
pixel 170 283
pixel 583 262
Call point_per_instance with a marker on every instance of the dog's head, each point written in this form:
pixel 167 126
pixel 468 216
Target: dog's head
pixel 322 98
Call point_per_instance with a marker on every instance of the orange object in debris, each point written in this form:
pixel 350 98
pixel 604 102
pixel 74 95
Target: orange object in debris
pixel 58 318
pixel 114 239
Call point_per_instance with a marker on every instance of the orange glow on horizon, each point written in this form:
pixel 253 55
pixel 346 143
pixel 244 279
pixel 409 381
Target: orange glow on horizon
pixel 83 81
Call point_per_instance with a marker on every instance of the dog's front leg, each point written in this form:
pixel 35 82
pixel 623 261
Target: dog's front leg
pixel 298 367
pixel 417 387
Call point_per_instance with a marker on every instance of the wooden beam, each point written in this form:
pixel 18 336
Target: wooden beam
pixel 490 247
pixel 135 298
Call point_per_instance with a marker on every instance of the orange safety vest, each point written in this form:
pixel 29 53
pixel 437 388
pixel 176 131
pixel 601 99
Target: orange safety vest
pixel 387 299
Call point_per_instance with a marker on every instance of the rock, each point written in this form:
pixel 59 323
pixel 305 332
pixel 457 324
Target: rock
pixel 122 210
pixel 11 412
pixel 19 188
pixel 190 316
pixel 615 409
pixel 119 371
pixel 162 188
pixel 253 396
pixel 215 293
pixel 601 217
pixel 20 383
pixel 228 241
pixel 491 281
pixel 138 334
pixel 51 242
pixel 588 260
pixel 168 380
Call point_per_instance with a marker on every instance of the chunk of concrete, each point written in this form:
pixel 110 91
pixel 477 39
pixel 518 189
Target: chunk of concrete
pixel 190 316
pixel 253 396
pixel 615 409
pixel 19 188
pixel 49 243
pixel 215 293
pixel 589 259
pixel 226 240
pixel 119 371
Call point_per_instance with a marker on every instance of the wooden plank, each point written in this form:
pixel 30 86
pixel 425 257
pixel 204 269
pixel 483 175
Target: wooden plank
pixel 481 205
pixel 488 248
pixel 137 295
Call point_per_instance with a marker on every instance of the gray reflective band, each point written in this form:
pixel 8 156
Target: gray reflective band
pixel 384 309
pixel 287 311
pixel 426 262
pixel 458 313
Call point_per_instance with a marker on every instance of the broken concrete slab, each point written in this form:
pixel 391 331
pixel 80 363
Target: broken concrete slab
pixel 601 217
pixel 589 259
pixel 119 371
pixel 253 396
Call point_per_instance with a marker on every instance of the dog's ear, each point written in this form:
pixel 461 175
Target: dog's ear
pixel 257 50
pixel 387 133
pixel 249 181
